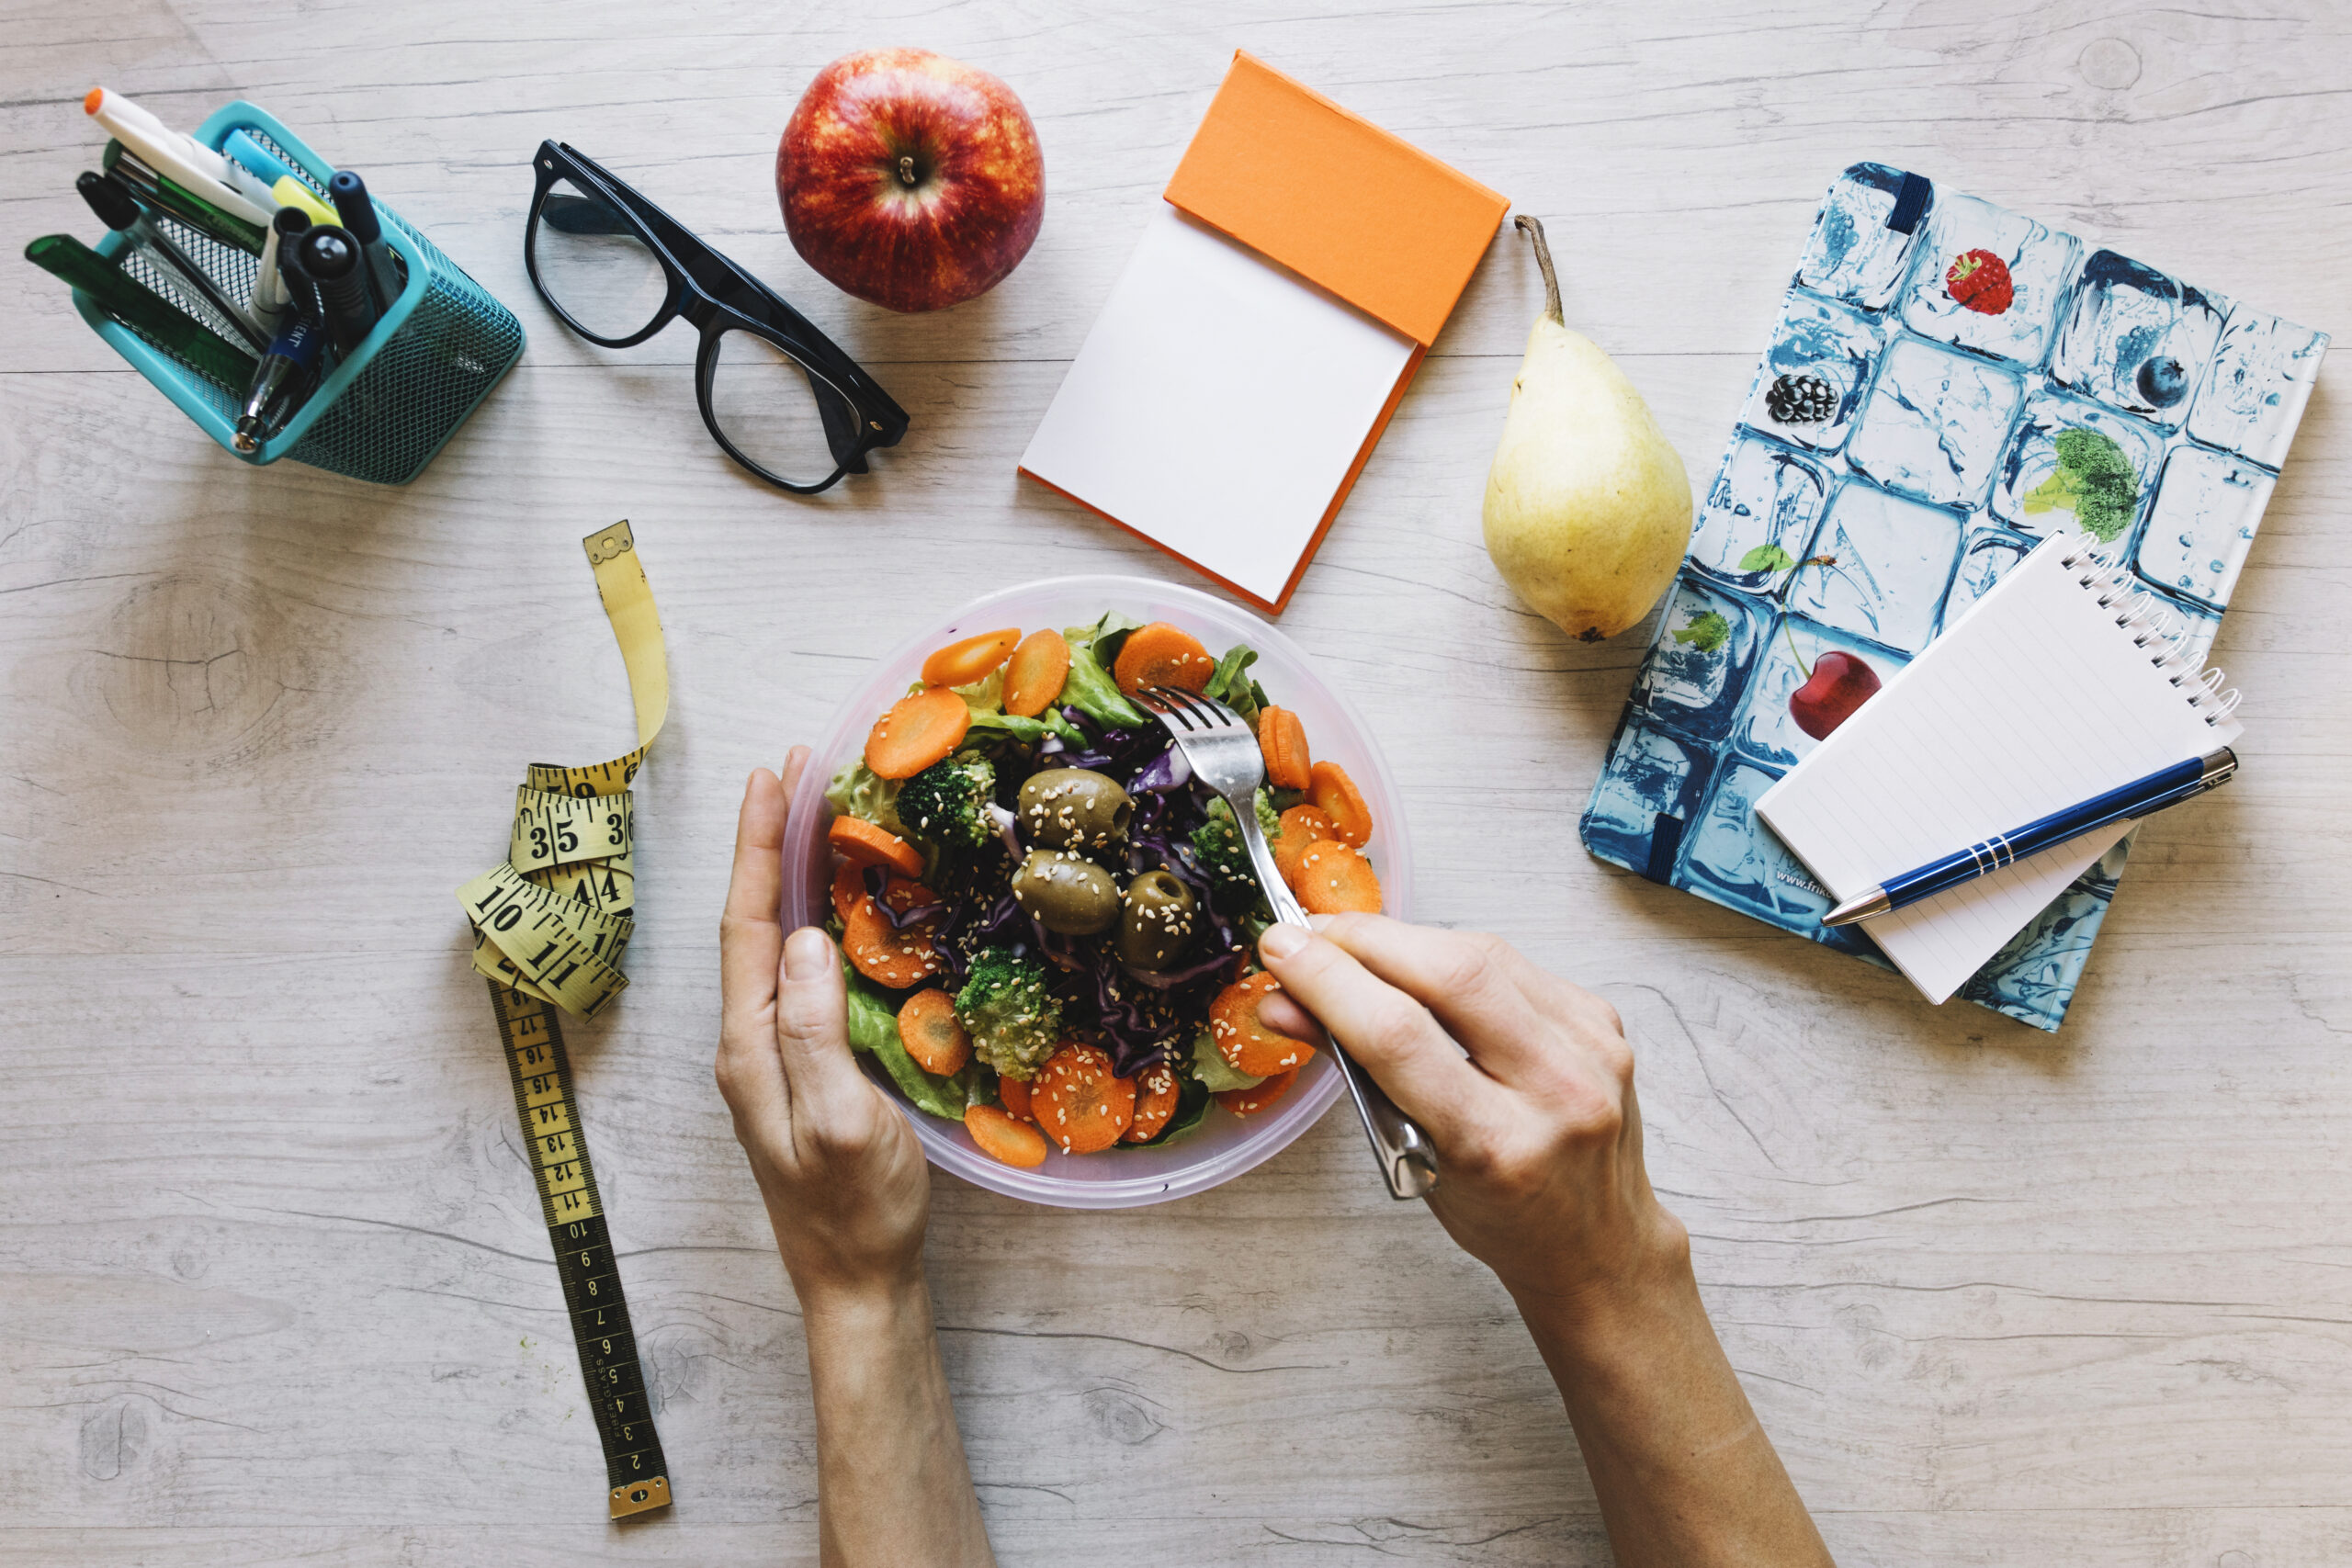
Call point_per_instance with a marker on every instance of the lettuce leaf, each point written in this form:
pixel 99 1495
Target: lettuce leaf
pixel 855 791
pixel 1091 689
pixel 873 1029
pixel 1232 686
pixel 1211 1068
pixel 1028 731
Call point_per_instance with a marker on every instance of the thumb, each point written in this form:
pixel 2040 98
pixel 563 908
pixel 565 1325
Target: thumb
pixel 812 1025
pixel 1390 1035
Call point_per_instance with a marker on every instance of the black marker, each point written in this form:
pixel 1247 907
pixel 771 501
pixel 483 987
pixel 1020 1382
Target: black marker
pixel 293 290
pixel 331 258
pixel 386 275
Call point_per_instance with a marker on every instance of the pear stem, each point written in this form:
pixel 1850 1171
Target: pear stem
pixel 1533 230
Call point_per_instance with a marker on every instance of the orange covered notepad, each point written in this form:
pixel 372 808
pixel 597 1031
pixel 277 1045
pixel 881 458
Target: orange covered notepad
pixel 1264 329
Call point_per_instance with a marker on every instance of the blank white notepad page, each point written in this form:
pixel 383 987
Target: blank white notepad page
pixel 1217 404
pixel 2036 699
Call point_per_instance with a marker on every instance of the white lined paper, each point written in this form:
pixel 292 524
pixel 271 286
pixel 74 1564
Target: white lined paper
pixel 2036 699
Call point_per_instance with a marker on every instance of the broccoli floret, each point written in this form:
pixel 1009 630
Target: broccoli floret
pixel 1232 879
pixel 1014 1021
pixel 942 804
pixel 2094 479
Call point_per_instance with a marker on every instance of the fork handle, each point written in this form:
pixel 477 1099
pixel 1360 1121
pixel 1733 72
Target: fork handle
pixel 1408 1161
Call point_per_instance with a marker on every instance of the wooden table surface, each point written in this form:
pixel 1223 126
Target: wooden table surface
pixel 273 1284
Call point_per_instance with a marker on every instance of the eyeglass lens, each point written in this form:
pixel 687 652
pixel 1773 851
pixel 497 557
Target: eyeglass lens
pixel 762 398
pixel 593 264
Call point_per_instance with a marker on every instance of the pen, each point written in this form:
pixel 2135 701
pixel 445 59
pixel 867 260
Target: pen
pixel 121 211
pixel 123 165
pixel 141 308
pixel 293 287
pixel 276 383
pixel 331 259
pixel 179 156
pixel 386 275
pixel 2141 798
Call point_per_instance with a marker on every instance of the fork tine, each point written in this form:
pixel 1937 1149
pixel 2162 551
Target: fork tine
pixel 1166 702
pixel 1208 714
pixel 1156 699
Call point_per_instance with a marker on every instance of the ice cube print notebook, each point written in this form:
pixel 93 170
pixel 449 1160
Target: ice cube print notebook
pixel 1949 383
pixel 2062 682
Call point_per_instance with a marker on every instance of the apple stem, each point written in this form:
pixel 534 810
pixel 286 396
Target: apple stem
pixel 906 170
pixel 1533 230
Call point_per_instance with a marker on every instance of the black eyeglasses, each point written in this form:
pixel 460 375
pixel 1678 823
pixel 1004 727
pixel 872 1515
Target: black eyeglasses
pixel 779 397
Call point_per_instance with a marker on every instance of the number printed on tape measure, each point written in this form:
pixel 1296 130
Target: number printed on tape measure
pixel 552 829
pixel 635 1469
pixel 567 951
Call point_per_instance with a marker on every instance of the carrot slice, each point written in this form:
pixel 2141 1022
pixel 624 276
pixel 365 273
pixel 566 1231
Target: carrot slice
pixel 1303 828
pixel 888 955
pixel 849 887
pixel 928 1028
pixel 1335 880
pixel 1014 1093
pixel 1040 666
pixel 1283 740
pixel 1003 1137
pixel 918 731
pixel 860 843
pixel 1243 1039
pixel 961 663
pixel 1156 1098
pixel 1161 654
pixel 1340 799
pixel 1249 1102
pixel 1080 1102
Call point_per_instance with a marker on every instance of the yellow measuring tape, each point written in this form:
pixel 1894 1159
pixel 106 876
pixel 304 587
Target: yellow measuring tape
pixel 553 922
pixel 551 925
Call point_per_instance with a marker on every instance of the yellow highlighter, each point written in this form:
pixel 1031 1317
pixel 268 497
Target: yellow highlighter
pixel 291 192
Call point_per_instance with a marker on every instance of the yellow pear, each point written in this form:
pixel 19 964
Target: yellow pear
pixel 1587 507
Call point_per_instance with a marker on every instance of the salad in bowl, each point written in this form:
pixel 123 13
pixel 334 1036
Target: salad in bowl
pixel 1049 927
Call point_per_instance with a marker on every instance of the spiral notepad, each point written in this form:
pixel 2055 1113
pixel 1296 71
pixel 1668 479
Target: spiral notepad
pixel 2062 681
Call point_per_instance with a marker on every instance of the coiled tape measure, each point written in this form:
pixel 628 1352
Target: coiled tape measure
pixel 549 928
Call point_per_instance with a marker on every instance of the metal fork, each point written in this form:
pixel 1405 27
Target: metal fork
pixel 1225 755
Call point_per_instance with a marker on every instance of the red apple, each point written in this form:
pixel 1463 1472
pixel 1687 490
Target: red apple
pixel 911 179
pixel 1840 683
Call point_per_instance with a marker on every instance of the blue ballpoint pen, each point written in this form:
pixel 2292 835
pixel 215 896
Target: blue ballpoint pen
pixel 2141 798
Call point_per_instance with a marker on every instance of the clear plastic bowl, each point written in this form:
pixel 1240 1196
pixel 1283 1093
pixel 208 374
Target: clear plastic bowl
pixel 1223 1146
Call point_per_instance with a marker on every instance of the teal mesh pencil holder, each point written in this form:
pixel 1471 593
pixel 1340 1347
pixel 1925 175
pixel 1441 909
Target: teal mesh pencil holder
pixel 389 404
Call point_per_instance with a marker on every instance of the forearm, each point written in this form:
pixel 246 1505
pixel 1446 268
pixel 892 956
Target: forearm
pixel 1686 1476
pixel 892 1482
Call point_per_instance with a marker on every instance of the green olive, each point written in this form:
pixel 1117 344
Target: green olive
pixel 1160 923
pixel 1073 809
pixel 1067 892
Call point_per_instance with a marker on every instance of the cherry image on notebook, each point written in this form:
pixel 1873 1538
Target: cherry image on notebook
pixel 1839 683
